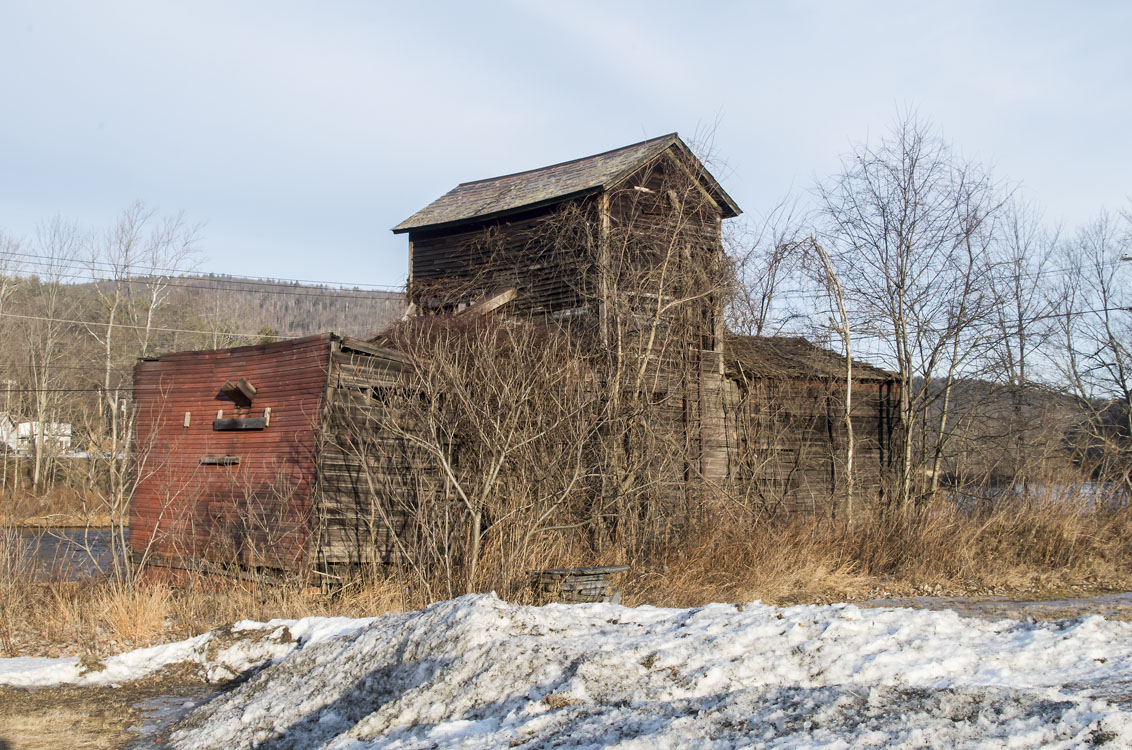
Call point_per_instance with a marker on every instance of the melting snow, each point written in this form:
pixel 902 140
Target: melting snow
pixel 476 672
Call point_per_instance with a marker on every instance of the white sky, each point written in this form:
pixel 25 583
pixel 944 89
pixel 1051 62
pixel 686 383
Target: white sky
pixel 299 133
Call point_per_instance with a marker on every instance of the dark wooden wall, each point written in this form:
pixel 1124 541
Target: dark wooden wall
pixel 368 478
pixel 788 441
pixel 526 251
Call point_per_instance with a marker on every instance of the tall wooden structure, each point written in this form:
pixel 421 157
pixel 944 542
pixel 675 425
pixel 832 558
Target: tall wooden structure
pixel 625 247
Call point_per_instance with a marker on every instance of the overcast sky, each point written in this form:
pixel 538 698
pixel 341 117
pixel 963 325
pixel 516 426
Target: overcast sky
pixel 299 133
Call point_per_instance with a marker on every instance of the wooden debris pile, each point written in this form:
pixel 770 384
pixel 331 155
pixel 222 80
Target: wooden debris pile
pixel 577 585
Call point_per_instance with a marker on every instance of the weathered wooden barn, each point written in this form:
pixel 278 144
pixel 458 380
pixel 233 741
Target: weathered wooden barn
pixel 784 400
pixel 234 464
pixel 243 456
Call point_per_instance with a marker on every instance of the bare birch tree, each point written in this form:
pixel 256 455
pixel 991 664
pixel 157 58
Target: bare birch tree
pixel 46 332
pixel 131 266
pixel 826 275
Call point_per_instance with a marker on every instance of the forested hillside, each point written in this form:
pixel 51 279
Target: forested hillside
pixel 284 308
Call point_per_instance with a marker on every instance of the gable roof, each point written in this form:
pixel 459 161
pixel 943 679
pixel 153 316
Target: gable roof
pixel 752 357
pixel 497 196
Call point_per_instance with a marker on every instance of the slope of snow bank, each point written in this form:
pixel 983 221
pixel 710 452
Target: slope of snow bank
pixel 477 672
pixel 221 654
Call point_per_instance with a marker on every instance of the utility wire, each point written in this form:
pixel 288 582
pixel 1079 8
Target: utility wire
pixel 266 280
pixel 142 328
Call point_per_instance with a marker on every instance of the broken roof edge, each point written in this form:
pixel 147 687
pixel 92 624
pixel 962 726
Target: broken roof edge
pixel 352 343
pixel 400 229
pixel 654 147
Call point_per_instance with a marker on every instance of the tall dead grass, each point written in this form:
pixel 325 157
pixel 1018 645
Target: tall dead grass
pixel 1024 549
pixel 1030 549
pixel 57 505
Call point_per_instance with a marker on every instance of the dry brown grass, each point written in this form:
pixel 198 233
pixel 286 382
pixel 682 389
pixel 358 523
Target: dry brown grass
pixel 134 613
pixel 1034 550
pixel 1020 549
pixel 100 617
pixel 58 505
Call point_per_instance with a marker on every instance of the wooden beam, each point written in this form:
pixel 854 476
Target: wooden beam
pixel 219 460
pixel 358 345
pixel 241 392
pixel 490 303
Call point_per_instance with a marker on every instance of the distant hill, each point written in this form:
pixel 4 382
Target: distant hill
pixel 288 308
pixel 285 308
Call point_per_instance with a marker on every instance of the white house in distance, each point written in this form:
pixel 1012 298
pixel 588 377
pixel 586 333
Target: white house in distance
pixel 9 433
pixel 20 438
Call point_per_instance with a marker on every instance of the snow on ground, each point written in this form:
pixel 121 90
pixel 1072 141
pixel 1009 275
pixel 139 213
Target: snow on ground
pixel 221 654
pixel 476 672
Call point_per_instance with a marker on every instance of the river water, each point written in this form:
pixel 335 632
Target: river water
pixel 66 554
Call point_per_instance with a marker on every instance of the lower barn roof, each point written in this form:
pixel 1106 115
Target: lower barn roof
pixel 791 357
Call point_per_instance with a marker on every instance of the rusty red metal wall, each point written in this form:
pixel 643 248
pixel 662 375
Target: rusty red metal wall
pixel 254 513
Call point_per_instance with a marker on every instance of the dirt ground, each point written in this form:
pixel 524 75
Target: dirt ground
pixel 1114 606
pixel 136 715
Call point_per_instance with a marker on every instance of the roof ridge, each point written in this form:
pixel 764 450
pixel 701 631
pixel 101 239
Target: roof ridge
pixel 673 136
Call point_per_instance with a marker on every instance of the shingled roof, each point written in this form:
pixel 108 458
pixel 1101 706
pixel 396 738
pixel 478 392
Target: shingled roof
pixel 499 196
pixel 785 357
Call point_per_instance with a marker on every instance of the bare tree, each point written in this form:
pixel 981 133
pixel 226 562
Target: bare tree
pixel 131 266
pixel 826 275
pixel 495 420
pixel 764 263
pixel 10 267
pixel 906 225
pixel 47 332
pixel 1022 329
pixel 1095 325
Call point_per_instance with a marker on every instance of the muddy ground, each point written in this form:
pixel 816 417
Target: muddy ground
pixel 137 715
pixel 132 715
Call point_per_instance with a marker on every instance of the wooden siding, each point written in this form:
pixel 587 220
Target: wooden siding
pixel 788 441
pixel 464 265
pixel 255 512
pixel 368 479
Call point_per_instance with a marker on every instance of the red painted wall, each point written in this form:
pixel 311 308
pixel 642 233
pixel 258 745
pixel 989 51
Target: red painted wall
pixel 254 513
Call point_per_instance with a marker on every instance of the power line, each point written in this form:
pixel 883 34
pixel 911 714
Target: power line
pixel 214 284
pixel 266 280
pixel 143 328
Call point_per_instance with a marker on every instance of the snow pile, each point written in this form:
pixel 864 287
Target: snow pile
pixel 220 654
pixel 477 672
